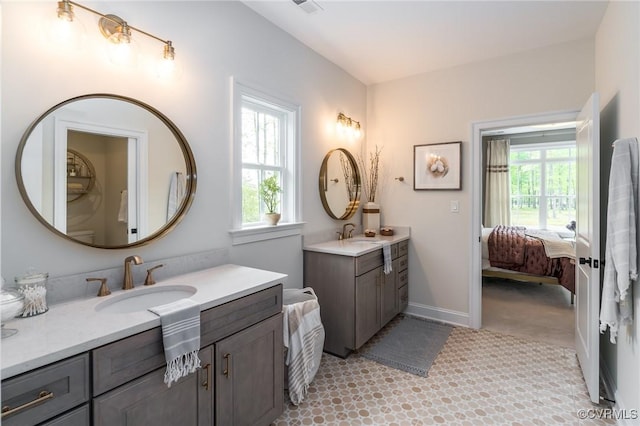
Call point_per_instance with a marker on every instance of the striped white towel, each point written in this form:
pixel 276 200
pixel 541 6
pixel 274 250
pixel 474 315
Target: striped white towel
pixel 386 253
pixel 304 338
pixel 621 251
pixel 180 322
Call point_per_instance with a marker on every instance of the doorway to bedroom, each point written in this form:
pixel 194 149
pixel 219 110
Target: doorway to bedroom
pixel 527 210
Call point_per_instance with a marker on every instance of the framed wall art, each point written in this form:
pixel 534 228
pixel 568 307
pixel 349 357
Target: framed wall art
pixel 437 166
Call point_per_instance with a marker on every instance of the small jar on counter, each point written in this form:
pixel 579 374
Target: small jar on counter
pixel 33 286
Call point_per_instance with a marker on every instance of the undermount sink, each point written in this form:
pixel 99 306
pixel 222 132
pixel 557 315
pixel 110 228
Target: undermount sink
pixel 143 299
pixel 363 239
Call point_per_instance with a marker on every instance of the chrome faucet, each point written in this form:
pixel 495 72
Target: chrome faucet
pixel 346 234
pixel 128 279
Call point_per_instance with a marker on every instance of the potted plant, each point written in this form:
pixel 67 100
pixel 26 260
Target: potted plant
pixel 270 194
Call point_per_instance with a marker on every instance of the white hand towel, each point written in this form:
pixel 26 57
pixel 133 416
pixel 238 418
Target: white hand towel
pixel 621 247
pixel 177 188
pixel 180 322
pixel 123 211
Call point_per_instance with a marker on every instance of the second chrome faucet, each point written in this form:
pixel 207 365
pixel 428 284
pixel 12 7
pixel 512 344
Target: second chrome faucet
pixel 127 283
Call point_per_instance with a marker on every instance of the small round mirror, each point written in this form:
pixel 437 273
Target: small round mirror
pixel 106 171
pixel 339 184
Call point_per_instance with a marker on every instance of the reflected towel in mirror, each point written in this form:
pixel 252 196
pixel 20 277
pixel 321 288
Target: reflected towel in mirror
pixel 176 193
pixel 123 211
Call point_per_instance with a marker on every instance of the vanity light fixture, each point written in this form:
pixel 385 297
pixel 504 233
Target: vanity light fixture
pixel 116 30
pixel 349 126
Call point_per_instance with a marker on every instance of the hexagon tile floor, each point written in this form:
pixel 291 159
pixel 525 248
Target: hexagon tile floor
pixel 479 378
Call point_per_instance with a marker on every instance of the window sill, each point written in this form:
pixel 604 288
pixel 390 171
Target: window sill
pixel 265 232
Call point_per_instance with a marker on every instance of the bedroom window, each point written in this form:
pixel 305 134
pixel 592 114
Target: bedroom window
pixel 543 185
pixel 265 143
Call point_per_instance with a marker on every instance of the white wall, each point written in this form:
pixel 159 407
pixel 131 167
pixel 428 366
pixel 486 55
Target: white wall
pixel 440 107
pixel 213 41
pixel 617 52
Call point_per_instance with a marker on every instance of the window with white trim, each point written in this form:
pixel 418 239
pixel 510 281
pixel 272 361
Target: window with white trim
pixel 543 184
pixel 265 144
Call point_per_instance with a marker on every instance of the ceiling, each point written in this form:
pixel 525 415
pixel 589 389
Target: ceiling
pixel 378 41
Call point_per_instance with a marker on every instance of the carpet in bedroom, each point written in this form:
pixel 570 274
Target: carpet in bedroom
pixel 542 312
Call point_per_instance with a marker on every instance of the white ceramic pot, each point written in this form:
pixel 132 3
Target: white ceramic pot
pixel 272 218
pixel 371 216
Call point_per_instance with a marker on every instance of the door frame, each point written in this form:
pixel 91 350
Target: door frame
pixel 137 171
pixel 477 128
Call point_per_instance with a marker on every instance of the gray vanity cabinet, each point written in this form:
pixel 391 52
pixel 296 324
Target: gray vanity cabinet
pixel 241 380
pixel 249 375
pixel 148 401
pixel 368 299
pixel 356 298
pixel 389 290
pixel 80 416
pixel 240 383
pixel 401 270
pixel 42 394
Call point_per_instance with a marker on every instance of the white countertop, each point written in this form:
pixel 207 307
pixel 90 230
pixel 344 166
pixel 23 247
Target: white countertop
pixel 74 327
pixel 358 245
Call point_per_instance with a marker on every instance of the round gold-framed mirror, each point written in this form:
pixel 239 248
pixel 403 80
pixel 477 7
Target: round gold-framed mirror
pixel 125 165
pixel 339 184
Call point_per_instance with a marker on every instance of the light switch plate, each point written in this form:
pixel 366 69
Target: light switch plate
pixel 454 206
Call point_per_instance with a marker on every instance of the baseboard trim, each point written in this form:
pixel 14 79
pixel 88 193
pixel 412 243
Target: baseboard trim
pixel 624 416
pixel 607 380
pixel 438 314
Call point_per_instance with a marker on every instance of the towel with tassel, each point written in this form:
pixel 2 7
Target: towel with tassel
pixel 621 250
pixel 180 323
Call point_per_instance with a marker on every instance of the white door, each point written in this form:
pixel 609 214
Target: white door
pixel 132 191
pixel 588 244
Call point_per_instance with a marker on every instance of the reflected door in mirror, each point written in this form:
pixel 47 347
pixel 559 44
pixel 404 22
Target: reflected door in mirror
pixel 103 210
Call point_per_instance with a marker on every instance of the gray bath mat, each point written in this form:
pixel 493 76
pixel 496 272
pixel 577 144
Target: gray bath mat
pixel 410 345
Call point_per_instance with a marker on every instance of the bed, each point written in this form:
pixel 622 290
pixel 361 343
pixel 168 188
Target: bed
pixel 530 255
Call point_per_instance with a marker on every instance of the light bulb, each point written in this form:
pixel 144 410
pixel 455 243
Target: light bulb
pixel 342 125
pixel 357 131
pixel 166 68
pixel 64 30
pixel 121 48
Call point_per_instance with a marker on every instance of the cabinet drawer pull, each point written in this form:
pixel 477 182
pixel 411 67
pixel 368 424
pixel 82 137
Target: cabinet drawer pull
pixel 42 397
pixel 207 378
pixel 227 361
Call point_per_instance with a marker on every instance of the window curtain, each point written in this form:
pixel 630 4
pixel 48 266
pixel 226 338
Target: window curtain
pixel 497 199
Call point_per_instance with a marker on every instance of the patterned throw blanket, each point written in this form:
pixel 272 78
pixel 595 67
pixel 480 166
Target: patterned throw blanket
pixel 510 248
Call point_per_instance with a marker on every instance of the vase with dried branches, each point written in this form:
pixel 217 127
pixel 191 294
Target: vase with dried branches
pixel 370 174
